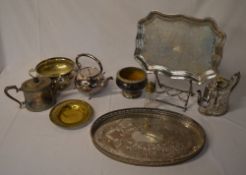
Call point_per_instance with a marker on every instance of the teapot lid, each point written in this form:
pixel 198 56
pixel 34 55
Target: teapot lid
pixel 36 84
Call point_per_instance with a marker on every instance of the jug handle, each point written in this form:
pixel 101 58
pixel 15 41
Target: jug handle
pixel 6 89
pixel 92 57
pixel 235 77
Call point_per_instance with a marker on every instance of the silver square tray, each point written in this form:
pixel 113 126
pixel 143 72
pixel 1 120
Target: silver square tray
pixel 179 46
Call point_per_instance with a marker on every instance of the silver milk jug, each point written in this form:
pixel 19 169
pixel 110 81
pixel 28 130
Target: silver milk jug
pixel 215 98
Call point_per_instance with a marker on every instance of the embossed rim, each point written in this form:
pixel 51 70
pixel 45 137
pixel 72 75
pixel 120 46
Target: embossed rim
pixel 181 74
pixel 118 114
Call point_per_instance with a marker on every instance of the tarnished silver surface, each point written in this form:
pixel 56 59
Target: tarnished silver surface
pixel 179 46
pixel 39 94
pixel 146 136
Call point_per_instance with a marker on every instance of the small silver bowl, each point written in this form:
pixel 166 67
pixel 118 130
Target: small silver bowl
pixel 132 81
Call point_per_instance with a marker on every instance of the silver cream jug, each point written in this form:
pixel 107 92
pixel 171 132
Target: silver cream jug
pixel 215 98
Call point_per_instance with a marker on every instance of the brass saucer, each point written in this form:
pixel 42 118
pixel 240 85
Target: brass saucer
pixel 71 113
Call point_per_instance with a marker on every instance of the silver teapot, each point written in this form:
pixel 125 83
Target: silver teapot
pixel 39 94
pixel 90 80
pixel 215 98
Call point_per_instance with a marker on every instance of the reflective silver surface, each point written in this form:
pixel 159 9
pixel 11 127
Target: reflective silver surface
pixel 90 80
pixel 146 136
pixel 179 46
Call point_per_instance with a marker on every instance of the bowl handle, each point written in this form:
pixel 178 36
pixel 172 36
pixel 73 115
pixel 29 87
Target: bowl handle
pixel 33 73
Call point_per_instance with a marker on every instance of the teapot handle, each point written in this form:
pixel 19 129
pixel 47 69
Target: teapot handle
pixel 92 57
pixel 235 77
pixel 6 89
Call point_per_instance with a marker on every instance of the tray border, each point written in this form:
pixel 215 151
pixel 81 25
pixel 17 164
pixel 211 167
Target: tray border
pixel 179 74
pixel 114 115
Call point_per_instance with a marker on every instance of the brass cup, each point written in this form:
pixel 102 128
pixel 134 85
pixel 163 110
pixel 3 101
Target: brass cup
pixel 132 81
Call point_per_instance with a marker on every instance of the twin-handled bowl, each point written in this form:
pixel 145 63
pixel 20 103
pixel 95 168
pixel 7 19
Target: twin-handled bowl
pixel 59 69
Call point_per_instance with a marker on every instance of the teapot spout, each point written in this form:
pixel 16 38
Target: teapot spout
pixel 99 87
pixel 105 82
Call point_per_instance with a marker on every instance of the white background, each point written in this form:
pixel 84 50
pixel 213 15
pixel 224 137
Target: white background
pixel 33 30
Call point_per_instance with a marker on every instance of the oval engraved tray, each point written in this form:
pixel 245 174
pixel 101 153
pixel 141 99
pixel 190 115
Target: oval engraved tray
pixel 146 136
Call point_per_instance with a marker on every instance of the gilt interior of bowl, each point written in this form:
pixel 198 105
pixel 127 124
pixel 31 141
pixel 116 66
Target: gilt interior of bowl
pixel 55 67
pixel 131 75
